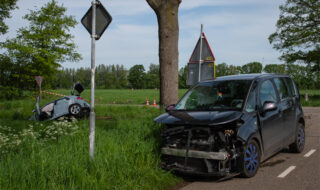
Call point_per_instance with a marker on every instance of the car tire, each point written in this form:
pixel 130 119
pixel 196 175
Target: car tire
pixel 250 159
pixel 86 113
pixel 300 138
pixel 75 110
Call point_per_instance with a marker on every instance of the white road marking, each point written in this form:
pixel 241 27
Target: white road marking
pixel 286 172
pixel 309 153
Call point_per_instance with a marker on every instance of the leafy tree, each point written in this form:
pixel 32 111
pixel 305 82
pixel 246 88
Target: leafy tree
pixel 153 76
pixel 183 77
pixel 5 7
pixel 167 15
pixel 298 33
pixel 83 75
pixel 223 69
pixel 154 69
pixel 301 76
pixel 275 68
pixel 64 79
pixel 253 67
pixel 136 77
pixel 234 70
pixel 121 74
pixel 40 48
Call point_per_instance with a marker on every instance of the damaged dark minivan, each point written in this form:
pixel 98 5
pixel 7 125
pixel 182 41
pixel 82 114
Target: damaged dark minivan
pixel 231 124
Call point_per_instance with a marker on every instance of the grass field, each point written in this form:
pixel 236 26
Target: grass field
pixel 122 96
pixel 54 155
pixel 126 154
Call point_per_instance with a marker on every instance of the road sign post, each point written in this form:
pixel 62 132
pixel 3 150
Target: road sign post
pixel 39 80
pixel 200 53
pixel 96 20
pixel 92 113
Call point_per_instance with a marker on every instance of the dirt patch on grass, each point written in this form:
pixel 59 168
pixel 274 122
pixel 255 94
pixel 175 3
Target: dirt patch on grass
pixel 103 117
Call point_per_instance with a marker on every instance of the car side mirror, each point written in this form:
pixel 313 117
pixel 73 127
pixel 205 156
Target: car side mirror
pixel 170 107
pixel 269 106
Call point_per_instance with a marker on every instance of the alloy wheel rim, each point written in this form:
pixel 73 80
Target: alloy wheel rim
pixel 251 159
pixel 75 109
pixel 300 138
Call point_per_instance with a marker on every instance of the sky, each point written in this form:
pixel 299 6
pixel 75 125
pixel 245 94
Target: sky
pixel 237 30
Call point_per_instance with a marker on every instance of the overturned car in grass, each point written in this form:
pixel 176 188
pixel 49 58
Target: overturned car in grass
pixel 231 124
pixel 68 106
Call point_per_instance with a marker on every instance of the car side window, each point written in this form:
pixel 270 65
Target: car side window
pixel 267 92
pixel 291 86
pixel 282 88
pixel 251 102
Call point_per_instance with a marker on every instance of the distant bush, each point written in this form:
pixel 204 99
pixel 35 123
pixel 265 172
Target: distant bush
pixel 9 93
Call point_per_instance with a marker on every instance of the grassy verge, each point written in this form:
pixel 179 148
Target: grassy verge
pixel 126 154
pixel 314 98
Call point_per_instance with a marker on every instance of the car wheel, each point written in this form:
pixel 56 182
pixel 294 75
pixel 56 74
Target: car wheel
pixel 86 113
pixel 251 159
pixel 300 138
pixel 75 110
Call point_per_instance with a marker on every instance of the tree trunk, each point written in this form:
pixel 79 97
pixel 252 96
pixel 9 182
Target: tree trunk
pixel 167 15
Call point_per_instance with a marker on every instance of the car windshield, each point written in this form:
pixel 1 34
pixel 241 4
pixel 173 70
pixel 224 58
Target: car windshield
pixel 216 95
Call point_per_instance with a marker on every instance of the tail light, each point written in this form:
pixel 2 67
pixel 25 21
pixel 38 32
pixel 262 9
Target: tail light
pixel 79 98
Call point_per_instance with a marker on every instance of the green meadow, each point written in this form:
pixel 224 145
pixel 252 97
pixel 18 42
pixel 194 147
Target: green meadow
pixel 54 154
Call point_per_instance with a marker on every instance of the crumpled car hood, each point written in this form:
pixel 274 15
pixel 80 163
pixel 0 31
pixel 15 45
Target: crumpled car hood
pixel 198 117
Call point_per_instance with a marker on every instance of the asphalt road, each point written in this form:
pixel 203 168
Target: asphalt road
pixel 284 171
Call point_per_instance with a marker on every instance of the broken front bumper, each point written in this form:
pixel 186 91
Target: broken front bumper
pixel 195 162
pixel 197 150
pixel 195 154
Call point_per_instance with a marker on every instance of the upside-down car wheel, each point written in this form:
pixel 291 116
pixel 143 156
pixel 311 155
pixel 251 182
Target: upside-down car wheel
pixel 75 110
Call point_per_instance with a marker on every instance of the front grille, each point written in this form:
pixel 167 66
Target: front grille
pixel 195 138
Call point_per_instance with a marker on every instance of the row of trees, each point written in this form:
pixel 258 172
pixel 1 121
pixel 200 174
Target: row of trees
pixel 117 77
pixel 302 74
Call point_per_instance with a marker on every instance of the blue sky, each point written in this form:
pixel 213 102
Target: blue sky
pixel 237 30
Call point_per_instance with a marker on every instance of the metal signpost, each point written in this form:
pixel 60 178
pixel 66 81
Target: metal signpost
pixel 200 53
pixel 96 21
pixel 201 65
pixel 39 80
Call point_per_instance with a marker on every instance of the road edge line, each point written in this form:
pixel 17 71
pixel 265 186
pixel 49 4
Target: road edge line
pixel 286 172
pixel 308 154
